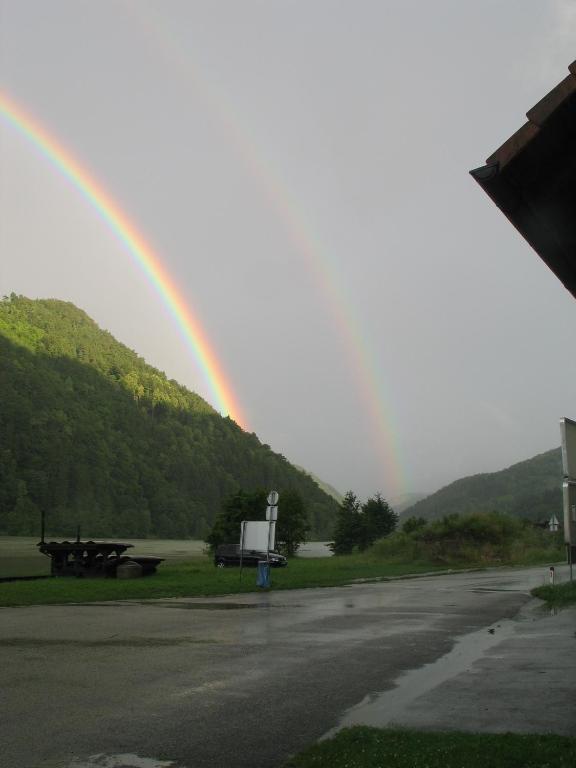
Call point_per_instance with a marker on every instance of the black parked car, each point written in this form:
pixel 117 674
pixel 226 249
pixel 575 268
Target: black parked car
pixel 229 555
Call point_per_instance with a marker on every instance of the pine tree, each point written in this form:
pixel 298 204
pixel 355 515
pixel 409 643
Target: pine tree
pixel 348 525
pixel 378 520
pixel 292 526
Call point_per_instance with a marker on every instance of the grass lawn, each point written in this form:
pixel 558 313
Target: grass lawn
pixel 199 577
pixel 557 594
pixel 188 572
pixel 362 747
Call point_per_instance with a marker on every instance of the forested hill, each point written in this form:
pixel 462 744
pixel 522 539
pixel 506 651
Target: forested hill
pixel 96 437
pixel 531 489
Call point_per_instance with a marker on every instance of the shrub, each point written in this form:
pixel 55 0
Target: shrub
pixel 489 538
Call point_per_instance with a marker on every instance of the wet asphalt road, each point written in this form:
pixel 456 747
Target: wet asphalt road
pixel 234 681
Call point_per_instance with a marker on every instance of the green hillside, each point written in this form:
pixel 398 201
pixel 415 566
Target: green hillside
pixel 531 489
pixel 93 435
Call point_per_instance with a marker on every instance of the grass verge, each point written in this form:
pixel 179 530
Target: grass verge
pixel 200 578
pixel 362 747
pixel 558 594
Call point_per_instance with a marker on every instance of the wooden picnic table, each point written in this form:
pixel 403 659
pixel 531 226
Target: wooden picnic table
pixel 84 558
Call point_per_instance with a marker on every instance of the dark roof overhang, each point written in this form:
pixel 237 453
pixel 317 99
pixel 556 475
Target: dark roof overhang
pixel 532 179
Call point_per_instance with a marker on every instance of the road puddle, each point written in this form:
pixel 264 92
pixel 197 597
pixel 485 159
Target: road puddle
pixel 388 707
pixel 480 590
pixel 192 606
pixel 550 610
pixel 200 606
pixel 122 761
pixel 105 642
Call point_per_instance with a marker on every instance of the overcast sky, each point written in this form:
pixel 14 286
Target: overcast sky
pixel 301 169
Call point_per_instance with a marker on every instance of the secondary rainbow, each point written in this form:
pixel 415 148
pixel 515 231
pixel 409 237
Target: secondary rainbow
pixel 365 360
pixel 139 249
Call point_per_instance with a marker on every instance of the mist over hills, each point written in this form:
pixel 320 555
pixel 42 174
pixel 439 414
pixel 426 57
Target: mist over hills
pixel 329 489
pixel 96 437
pixel 531 489
pixel 405 500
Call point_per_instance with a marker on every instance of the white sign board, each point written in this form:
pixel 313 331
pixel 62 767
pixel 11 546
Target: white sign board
pixel 273 497
pixel 272 513
pixel 568 433
pixel 257 534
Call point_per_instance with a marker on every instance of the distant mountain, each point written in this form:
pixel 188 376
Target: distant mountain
pixel 326 487
pixel 94 436
pixel 405 500
pixel 531 489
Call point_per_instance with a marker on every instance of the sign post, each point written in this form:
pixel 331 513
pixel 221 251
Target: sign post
pixel 568 433
pixel 260 535
pixel 272 517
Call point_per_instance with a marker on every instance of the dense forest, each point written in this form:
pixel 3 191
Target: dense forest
pixel 96 437
pixel 531 489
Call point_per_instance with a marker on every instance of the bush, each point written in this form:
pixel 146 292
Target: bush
pixel 413 524
pixel 489 538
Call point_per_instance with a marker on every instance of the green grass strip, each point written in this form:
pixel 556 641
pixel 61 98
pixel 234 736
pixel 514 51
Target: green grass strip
pixel 199 577
pixel 557 595
pixel 362 747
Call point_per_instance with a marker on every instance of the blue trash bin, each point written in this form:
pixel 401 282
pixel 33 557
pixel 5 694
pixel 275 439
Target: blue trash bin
pixel 263 578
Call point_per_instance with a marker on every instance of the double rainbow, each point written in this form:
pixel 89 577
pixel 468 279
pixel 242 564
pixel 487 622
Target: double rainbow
pixel 366 360
pixel 139 249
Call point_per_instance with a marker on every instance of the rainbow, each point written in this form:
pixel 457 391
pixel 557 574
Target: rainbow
pixel 138 248
pixel 365 361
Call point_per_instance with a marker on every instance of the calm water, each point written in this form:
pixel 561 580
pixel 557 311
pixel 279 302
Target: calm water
pixel 20 557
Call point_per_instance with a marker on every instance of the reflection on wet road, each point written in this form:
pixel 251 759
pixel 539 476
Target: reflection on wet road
pixel 388 708
pixel 122 761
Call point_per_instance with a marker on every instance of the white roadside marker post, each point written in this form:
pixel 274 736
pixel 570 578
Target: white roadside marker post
pixel 271 517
